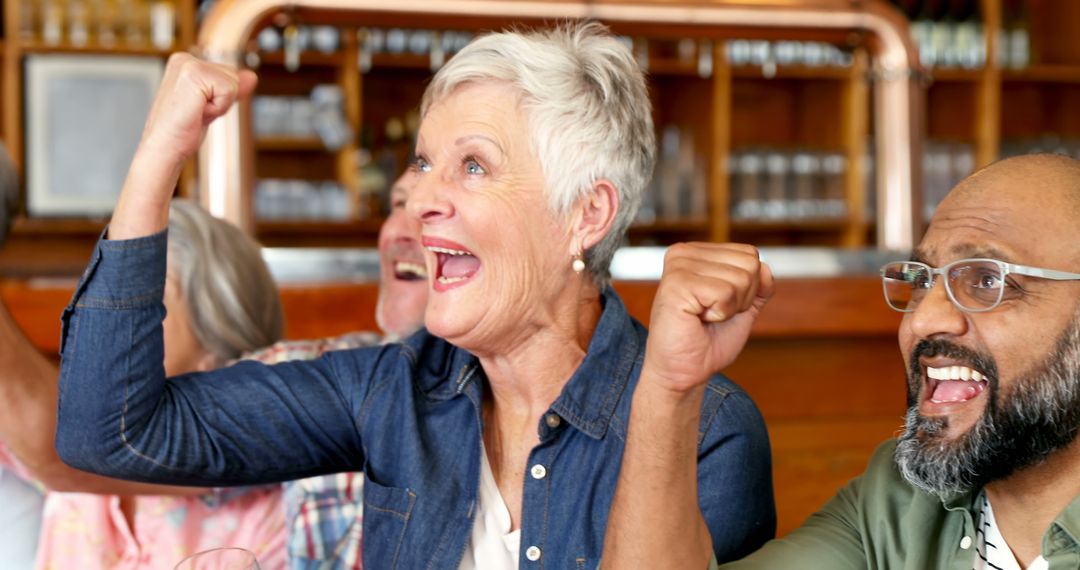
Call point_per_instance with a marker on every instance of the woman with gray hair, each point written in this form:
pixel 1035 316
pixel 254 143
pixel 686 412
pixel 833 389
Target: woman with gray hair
pixel 494 437
pixel 221 302
pixel 230 297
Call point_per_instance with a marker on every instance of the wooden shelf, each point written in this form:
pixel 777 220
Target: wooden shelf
pixel 792 72
pixel 807 225
pixel 289 144
pixel 313 228
pixel 1044 73
pixel 74 227
pixel 42 48
pixel 401 61
pixel 674 67
pixel 380 60
pixel 690 225
pixel 307 59
pixel 955 75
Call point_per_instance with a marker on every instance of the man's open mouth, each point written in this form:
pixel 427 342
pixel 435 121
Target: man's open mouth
pixel 409 271
pixel 948 384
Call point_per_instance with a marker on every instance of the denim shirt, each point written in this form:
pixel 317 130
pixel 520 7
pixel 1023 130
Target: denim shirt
pixel 407 414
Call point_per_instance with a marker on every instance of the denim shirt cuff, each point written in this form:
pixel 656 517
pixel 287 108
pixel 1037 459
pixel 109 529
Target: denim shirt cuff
pixel 122 274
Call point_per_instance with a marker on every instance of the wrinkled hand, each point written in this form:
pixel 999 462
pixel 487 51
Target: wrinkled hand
pixel 707 301
pixel 192 95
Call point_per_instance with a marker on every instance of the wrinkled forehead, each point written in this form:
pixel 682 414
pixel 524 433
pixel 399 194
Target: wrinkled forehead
pixel 1004 220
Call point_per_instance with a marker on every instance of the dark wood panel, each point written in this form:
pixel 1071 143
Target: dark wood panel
pixel 811 377
pixel 950 111
pixel 849 308
pixel 812 459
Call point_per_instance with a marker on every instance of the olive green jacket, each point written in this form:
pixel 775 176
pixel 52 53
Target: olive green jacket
pixel 879 521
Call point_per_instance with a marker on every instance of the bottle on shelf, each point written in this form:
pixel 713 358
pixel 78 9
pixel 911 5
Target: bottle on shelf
pixel 941 34
pixel 52 22
pixel 372 181
pixel 1016 37
pixel 105 22
pixel 784 185
pixel 969 38
pixel 78 23
pixel 162 24
pixel 132 22
pixel 29 13
pixel 922 24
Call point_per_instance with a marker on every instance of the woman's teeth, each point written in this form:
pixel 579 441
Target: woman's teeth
pixel 447 251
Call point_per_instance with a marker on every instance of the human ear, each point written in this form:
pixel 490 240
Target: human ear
pixel 595 215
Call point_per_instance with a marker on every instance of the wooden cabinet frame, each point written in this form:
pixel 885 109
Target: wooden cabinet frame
pixel 226 159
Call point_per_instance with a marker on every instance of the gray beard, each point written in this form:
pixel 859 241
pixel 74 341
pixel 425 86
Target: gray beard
pixel 1020 428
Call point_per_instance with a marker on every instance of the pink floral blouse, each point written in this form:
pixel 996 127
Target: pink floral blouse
pixel 89 532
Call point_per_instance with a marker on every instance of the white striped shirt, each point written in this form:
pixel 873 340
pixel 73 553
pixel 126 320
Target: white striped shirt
pixel 991 550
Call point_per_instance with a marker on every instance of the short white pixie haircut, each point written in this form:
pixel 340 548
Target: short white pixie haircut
pixel 587 110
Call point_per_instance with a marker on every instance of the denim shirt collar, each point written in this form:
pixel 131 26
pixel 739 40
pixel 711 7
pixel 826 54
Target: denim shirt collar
pixel 589 398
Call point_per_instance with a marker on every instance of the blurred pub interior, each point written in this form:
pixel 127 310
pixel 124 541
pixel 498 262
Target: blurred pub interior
pixel 765 140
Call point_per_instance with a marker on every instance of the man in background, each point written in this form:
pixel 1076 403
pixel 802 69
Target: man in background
pixel 324 514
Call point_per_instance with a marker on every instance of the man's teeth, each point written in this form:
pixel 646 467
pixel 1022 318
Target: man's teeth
pixel 447 280
pixel 447 251
pixel 955 373
pixel 406 267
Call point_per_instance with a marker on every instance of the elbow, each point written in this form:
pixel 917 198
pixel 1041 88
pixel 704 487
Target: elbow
pixel 76 452
pixel 61 478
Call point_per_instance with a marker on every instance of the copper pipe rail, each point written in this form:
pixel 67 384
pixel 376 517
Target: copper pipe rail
pixel 226 156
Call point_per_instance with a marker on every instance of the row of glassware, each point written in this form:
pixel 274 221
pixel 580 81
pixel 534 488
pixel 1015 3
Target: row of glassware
pixel 321 114
pixel 103 23
pixel 776 185
pixel 301 200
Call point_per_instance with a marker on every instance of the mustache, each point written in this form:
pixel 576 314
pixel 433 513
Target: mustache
pixel 405 251
pixel 984 363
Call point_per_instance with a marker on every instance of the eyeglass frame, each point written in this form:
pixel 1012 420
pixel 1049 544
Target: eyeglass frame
pixel 1005 267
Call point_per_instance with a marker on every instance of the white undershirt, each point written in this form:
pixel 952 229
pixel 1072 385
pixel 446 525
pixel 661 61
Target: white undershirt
pixel 491 545
pixel 991 550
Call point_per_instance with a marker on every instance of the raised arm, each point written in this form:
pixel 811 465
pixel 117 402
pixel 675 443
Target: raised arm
pixel 117 413
pixel 192 94
pixel 706 303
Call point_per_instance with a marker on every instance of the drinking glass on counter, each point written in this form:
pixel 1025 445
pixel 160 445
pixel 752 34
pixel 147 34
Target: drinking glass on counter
pixel 230 558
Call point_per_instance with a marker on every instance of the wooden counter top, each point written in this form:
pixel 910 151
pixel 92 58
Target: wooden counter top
pixel 822 365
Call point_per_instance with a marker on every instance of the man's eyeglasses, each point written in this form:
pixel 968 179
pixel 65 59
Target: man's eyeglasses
pixel 973 285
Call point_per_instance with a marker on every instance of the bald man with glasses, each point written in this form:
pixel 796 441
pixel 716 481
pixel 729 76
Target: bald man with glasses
pixel 986 474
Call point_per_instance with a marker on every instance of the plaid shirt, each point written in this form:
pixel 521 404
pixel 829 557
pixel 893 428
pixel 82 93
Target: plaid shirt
pixel 323 514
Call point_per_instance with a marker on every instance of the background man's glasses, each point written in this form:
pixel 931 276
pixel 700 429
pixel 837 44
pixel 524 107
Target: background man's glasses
pixel 973 285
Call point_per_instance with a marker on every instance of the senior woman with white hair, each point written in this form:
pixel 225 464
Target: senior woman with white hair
pixel 500 428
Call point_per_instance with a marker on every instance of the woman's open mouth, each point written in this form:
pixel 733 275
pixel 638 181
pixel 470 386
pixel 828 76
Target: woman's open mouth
pixel 454 265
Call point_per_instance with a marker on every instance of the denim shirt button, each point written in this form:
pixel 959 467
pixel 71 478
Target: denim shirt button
pixel 538 471
pixel 533 553
pixel 552 420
